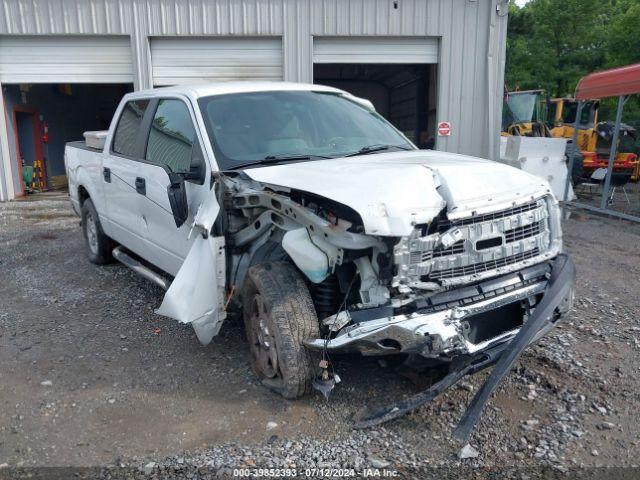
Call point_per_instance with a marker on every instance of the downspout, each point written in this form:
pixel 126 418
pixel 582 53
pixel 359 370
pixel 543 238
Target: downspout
pixel 501 12
pixel 140 48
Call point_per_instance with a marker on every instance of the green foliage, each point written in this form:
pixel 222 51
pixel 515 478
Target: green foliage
pixel 551 44
pixel 623 37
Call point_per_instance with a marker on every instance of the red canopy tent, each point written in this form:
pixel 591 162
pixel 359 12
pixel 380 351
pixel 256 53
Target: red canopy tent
pixel 610 83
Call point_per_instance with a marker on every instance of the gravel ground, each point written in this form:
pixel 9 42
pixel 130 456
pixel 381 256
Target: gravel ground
pixel 91 377
pixel 624 201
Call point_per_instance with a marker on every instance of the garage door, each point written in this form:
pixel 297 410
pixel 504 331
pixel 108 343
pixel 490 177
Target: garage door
pixel 196 60
pixel 65 59
pixel 375 50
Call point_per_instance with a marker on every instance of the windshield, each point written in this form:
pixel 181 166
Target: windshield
pixel 571 108
pixel 249 127
pixel 522 108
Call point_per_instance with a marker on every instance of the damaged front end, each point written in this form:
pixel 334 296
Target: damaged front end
pixel 453 286
pixel 459 287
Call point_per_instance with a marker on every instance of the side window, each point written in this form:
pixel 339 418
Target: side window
pixel 171 136
pixel 126 135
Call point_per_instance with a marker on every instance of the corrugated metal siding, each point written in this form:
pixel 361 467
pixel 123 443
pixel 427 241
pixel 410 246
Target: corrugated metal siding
pixel 368 49
pixel 378 17
pixel 472 41
pixel 42 17
pixel 470 53
pixel 51 59
pixel 222 17
pixel 180 60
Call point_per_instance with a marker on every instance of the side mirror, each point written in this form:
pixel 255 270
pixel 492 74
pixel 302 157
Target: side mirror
pixel 178 199
pixel 197 171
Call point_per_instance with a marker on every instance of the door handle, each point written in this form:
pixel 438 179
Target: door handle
pixel 141 186
pixel 106 173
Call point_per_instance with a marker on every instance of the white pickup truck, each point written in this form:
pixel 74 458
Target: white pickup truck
pixel 302 207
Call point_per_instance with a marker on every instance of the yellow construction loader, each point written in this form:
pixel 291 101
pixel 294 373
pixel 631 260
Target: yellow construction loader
pixel 527 113
pixel 524 114
pixel 595 138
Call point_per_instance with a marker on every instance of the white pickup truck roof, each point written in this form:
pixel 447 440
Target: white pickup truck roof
pixel 222 88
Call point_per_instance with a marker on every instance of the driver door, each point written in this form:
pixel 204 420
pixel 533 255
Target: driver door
pixel 172 145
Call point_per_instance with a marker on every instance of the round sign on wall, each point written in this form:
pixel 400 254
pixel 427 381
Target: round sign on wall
pixel 444 129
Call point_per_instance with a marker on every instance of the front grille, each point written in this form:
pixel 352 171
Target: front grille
pixel 480 267
pixel 508 236
pixel 455 249
pixel 521 233
pixel 444 225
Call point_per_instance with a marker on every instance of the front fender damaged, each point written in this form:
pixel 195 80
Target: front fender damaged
pixel 196 295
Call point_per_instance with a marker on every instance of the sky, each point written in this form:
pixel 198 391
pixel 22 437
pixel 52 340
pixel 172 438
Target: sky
pixel 520 3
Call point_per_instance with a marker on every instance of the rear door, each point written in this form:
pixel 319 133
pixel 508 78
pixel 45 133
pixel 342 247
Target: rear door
pixel 119 174
pixel 173 143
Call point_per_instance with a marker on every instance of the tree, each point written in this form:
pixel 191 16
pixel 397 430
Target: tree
pixel 552 43
pixel 623 39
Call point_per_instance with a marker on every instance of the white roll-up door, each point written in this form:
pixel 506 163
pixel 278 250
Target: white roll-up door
pixel 65 59
pixel 177 61
pixel 381 50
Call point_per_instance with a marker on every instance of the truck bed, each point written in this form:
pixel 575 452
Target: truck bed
pixel 82 144
pixel 84 170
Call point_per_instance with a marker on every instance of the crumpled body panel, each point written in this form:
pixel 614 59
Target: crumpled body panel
pixel 392 192
pixel 196 295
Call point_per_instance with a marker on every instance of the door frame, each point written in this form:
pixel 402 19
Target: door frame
pixel 37 140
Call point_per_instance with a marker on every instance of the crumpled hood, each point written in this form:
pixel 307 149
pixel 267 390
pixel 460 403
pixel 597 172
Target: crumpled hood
pixel 394 191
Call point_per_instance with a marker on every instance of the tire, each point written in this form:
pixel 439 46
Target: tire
pixel 278 316
pixel 99 246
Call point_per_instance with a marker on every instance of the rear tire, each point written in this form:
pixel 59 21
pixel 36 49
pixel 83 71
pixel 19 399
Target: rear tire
pixel 99 246
pixel 279 316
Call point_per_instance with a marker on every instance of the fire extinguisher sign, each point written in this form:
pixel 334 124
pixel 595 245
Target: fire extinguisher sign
pixel 444 129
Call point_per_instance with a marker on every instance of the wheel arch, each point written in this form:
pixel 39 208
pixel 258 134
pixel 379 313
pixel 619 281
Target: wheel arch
pixel 83 194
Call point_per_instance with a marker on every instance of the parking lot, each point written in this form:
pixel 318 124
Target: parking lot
pixel 91 376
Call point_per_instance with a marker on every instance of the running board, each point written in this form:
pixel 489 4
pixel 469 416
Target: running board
pixel 123 257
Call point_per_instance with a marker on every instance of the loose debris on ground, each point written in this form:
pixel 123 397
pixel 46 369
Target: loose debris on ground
pixel 92 377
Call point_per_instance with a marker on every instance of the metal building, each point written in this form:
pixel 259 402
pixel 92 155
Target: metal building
pixel 64 64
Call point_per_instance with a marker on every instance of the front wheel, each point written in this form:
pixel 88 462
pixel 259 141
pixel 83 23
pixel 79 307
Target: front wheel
pixel 279 316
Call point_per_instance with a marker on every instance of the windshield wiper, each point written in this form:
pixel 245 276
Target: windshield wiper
pixel 271 159
pixel 287 156
pixel 375 148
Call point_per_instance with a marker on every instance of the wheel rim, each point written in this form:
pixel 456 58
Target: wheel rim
pixel 262 342
pixel 91 229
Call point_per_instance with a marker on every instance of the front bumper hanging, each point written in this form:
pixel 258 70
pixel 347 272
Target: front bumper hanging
pixel 437 327
pixel 543 318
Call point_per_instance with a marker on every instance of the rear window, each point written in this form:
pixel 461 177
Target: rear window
pixel 125 138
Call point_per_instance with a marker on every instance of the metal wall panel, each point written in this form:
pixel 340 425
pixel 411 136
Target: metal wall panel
pixel 65 59
pixel 472 41
pixel 215 17
pixel 43 17
pixel 367 49
pixel 377 17
pixel 180 60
